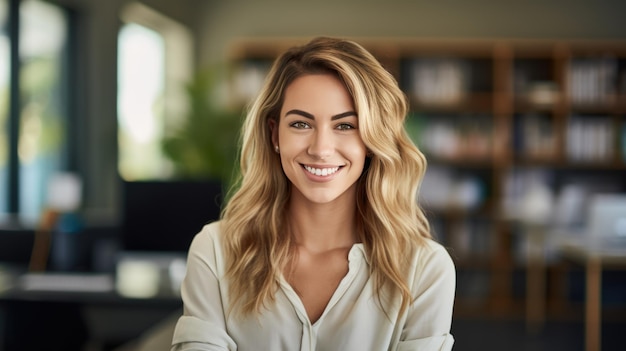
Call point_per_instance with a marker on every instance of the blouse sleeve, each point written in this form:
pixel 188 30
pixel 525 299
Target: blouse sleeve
pixel 429 319
pixel 202 326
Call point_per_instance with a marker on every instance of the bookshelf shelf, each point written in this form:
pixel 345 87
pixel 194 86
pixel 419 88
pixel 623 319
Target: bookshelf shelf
pixel 462 162
pixel 470 102
pixel 525 105
pixel 499 117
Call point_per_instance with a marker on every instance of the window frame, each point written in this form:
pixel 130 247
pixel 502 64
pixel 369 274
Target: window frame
pixel 12 218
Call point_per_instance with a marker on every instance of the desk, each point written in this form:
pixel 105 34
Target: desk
pixel 594 261
pixel 69 320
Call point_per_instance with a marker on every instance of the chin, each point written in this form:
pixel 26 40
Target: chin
pixel 325 196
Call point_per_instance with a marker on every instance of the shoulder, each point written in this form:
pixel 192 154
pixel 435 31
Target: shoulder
pixel 207 238
pixel 205 248
pixel 432 251
pixel 432 262
pixel 208 235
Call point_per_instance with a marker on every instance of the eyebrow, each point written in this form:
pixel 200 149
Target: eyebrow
pixel 310 116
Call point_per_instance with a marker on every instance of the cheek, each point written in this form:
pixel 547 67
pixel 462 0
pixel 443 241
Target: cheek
pixel 290 148
pixel 359 151
pixel 291 143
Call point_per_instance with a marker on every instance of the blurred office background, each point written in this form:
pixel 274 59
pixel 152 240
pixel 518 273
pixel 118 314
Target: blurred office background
pixel 118 129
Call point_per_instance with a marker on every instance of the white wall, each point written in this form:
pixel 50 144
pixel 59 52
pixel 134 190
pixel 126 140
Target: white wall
pixel 228 20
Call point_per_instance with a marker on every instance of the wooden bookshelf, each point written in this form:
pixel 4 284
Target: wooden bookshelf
pixel 489 114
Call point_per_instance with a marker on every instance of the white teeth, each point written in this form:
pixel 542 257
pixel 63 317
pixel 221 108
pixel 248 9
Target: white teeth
pixel 321 171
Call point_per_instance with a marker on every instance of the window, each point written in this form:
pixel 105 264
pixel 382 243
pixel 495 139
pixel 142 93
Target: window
pixel 140 113
pixel 31 152
pixel 154 64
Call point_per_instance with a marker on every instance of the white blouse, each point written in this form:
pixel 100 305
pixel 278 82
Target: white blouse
pixel 352 320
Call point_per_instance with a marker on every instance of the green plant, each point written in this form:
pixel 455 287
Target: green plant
pixel 204 146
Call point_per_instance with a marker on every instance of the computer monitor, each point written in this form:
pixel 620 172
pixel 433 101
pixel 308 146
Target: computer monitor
pixel 164 216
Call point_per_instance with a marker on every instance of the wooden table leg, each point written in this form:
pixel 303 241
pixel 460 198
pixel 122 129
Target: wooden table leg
pixel 535 282
pixel 593 305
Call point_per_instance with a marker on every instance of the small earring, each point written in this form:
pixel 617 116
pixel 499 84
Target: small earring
pixel 277 149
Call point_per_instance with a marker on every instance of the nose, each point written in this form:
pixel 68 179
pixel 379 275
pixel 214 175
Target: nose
pixel 322 144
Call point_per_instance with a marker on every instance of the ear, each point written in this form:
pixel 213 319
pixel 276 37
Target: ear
pixel 273 125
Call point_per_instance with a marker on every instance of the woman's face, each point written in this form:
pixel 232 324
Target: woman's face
pixel 321 150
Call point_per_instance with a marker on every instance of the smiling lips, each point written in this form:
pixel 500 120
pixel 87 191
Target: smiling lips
pixel 321 171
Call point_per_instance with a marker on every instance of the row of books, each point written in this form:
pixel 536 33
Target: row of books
pixel 592 80
pixel 590 139
pixel 468 137
pixel 534 136
pixel 445 81
pixel 439 81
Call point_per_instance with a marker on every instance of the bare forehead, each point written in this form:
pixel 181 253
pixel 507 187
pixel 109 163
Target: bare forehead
pixel 312 80
pixel 322 92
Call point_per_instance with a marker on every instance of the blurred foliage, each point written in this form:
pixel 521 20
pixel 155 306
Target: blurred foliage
pixel 41 121
pixel 204 146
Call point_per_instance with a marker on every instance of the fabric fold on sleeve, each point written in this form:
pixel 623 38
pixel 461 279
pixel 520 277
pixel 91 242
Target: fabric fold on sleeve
pixel 431 343
pixel 194 330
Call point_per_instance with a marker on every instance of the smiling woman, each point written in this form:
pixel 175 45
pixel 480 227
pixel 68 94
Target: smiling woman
pixel 319 137
pixel 322 245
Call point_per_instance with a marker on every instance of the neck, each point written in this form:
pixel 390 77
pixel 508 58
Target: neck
pixel 323 227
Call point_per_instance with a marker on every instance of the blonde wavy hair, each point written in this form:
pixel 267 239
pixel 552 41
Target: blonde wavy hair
pixel 256 239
